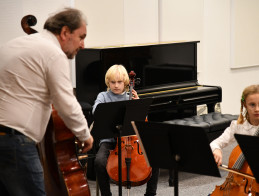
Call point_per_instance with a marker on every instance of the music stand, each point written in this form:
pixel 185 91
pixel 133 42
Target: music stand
pixel 113 120
pixel 176 147
pixel 250 148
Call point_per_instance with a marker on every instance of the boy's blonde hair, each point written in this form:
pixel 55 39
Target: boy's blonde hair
pixel 250 90
pixel 113 72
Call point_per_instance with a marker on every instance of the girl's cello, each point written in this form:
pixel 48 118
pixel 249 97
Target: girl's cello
pixel 240 180
pixel 64 167
pixel 135 170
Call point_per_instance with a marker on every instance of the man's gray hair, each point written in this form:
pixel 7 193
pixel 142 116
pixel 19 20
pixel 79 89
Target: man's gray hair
pixel 70 17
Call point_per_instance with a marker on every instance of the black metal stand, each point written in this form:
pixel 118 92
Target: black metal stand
pixel 178 147
pixel 176 189
pixel 250 148
pixel 119 127
pixel 113 120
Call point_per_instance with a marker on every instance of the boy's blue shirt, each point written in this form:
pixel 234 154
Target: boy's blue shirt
pixel 109 96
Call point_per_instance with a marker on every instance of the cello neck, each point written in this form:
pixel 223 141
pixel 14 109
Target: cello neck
pixel 241 159
pixel 132 75
pixel 239 162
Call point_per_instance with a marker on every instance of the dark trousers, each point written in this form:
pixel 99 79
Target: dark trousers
pixel 171 177
pixel 152 183
pixel 104 179
pixel 21 172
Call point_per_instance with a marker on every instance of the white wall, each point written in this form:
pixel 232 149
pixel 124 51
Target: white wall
pixel 244 24
pixel 182 20
pixel 12 11
pixel 105 21
pixel 216 56
pixel 117 22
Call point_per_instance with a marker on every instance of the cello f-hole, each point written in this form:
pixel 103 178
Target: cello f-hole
pixel 140 153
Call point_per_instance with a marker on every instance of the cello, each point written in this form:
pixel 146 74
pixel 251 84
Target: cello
pixel 60 153
pixel 240 180
pixel 135 171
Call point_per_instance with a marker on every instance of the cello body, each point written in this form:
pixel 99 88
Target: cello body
pixel 62 171
pixel 139 171
pixel 236 184
pixel 134 169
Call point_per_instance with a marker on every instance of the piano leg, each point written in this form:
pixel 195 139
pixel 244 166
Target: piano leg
pixel 211 107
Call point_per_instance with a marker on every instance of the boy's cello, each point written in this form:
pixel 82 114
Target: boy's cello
pixel 135 170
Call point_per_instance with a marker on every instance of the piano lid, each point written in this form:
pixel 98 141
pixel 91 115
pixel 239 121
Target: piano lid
pixel 158 65
pixel 134 45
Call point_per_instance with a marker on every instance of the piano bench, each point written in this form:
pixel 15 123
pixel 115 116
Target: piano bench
pixel 213 123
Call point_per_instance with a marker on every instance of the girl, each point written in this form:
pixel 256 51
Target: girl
pixel 117 82
pixel 246 124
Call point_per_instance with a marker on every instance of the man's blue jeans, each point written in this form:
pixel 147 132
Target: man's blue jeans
pixel 21 173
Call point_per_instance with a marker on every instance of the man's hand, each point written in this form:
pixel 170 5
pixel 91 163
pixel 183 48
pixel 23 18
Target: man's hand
pixel 87 144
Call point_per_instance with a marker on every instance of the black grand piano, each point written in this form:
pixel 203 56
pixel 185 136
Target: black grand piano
pixel 168 73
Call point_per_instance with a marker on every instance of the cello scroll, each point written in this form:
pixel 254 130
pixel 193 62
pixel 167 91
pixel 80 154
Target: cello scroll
pixel 26 23
pixel 132 83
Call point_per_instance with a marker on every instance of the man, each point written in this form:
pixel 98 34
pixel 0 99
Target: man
pixel 34 74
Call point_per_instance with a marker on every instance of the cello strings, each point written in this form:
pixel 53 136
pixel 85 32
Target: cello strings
pixel 241 159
